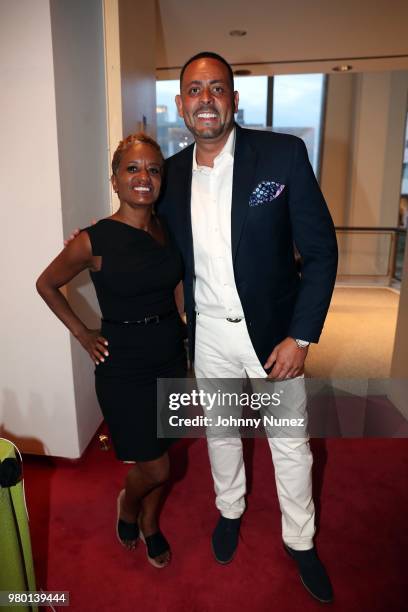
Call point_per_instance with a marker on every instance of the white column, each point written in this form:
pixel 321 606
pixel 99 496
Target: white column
pixel 335 166
pixel 380 113
pixel 54 177
pixel 81 105
pixel 365 191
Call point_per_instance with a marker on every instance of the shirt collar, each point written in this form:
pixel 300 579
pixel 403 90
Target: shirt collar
pixel 227 151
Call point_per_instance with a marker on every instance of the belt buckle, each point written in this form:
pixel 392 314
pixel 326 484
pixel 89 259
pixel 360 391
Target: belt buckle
pixel 155 318
pixel 234 320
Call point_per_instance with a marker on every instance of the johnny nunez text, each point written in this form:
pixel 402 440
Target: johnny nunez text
pixel 230 421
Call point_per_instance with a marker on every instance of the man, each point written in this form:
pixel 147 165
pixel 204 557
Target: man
pixel 236 201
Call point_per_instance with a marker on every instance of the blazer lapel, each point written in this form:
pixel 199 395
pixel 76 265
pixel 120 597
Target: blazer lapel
pixel 242 184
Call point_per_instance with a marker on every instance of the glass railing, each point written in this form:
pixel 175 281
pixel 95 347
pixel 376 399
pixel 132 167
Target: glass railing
pixel 371 253
pixel 401 238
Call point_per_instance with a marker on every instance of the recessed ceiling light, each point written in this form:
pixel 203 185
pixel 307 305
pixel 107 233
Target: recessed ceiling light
pixel 343 68
pixel 242 72
pixel 238 33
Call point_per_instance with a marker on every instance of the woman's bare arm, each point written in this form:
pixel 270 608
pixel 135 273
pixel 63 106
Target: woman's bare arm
pixel 72 260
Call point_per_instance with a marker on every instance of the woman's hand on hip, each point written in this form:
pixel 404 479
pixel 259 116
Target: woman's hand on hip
pixel 94 344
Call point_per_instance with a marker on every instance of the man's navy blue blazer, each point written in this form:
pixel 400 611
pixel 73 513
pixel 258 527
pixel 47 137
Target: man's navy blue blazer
pixel 266 223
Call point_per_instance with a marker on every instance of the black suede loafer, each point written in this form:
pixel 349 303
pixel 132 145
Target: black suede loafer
pixel 312 573
pixel 225 539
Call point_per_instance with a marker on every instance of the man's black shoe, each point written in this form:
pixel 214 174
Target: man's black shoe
pixel 225 539
pixel 312 573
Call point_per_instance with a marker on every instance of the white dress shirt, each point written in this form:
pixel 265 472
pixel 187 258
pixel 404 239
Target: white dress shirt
pixel 211 193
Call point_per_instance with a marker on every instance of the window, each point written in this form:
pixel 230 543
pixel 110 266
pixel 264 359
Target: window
pixel 295 107
pixel 172 134
pixel 253 101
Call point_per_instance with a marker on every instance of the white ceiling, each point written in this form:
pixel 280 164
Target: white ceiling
pixel 285 36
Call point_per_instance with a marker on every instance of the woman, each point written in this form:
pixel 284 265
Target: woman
pixel 135 269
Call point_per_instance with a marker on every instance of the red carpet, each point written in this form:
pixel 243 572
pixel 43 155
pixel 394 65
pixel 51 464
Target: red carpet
pixel 362 499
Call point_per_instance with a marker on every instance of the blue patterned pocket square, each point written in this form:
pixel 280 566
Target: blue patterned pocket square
pixel 264 192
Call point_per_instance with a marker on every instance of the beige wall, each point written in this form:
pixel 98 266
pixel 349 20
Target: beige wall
pixel 335 167
pixel 362 162
pixel 363 147
pixel 79 72
pixel 394 147
pixel 137 24
pixel 113 82
pixel 36 379
pixel 54 178
pixel 377 147
pixel 130 39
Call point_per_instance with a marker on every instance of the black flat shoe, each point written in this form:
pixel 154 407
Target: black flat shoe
pixel 225 539
pixel 312 573
pixel 156 545
pixel 127 533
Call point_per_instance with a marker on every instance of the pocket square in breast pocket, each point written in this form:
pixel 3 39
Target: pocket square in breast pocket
pixel 264 192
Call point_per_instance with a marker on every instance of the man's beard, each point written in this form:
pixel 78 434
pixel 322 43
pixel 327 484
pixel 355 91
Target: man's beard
pixel 207 133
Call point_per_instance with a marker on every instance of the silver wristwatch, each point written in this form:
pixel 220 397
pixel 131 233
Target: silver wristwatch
pixel 301 343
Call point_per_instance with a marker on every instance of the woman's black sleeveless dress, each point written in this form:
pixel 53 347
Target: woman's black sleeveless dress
pixel 136 280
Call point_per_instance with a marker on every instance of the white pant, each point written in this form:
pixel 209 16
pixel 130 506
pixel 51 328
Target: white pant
pixel 224 350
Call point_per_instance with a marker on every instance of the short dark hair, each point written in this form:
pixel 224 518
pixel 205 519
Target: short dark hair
pixel 127 142
pixel 211 55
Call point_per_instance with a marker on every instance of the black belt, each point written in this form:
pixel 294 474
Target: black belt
pixel 145 321
pixel 230 319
